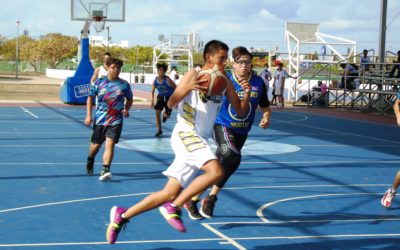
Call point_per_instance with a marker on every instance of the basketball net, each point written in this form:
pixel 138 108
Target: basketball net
pixel 99 23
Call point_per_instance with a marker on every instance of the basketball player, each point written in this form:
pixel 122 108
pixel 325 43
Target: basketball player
pixel 386 200
pixel 101 71
pixel 165 87
pixel 231 129
pixel 279 84
pixel 110 93
pixel 196 116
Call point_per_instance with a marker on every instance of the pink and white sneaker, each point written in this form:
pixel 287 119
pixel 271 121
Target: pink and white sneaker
pixel 173 216
pixel 386 200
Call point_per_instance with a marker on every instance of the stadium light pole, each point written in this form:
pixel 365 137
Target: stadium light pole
pixel 108 38
pixel 16 50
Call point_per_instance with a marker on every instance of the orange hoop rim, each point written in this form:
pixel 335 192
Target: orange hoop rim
pixel 99 18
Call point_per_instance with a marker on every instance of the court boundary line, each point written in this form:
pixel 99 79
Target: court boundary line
pixel 29 112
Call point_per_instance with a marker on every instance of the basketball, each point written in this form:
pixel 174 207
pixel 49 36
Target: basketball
pixel 216 79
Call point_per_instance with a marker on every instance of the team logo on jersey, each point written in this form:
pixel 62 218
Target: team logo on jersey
pixel 237 117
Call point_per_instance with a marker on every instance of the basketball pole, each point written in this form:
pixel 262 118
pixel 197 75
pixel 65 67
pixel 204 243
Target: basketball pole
pixel 17 50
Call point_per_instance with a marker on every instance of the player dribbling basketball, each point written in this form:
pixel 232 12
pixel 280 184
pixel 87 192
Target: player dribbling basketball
pixel 231 128
pixel 194 126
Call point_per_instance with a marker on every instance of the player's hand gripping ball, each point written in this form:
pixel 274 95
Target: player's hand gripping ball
pixel 215 77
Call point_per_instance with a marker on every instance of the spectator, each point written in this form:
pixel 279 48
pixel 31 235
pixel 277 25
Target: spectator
pixel 365 61
pixel 396 66
pixel 279 85
pixel 266 76
pixel 350 72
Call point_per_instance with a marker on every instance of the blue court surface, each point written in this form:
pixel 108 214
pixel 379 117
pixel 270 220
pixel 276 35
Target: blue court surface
pixel 308 182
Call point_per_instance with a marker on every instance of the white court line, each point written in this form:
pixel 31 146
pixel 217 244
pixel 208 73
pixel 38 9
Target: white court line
pixel 106 243
pixel 264 220
pixel 344 133
pixel 29 112
pixel 206 225
pixel 243 162
pixel 205 239
pixel 71 201
pixel 223 236
pixel 263 207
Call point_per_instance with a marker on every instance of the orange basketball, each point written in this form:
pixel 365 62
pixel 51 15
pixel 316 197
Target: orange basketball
pixel 216 79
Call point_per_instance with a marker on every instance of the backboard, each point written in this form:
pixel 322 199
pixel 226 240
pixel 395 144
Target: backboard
pixel 87 10
pixel 305 32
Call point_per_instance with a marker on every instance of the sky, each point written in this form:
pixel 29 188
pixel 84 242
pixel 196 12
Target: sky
pixel 249 23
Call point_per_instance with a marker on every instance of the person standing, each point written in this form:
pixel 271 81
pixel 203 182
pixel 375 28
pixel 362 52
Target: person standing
pixel 231 130
pixel 102 70
pixel 279 85
pixel 174 75
pixel 165 87
pixel 196 116
pixel 266 76
pixel 114 98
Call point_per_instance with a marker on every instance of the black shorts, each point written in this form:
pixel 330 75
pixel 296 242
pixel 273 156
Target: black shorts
pixel 161 104
pixel 226 139
pixel 100 133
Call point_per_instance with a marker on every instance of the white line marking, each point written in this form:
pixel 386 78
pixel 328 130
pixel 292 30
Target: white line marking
pixel 223 236
pixel 263 218
pixel 243 162
pixel 29 112
pixel 105 243
pixel 71 201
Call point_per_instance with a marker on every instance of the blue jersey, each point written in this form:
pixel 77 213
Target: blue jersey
pixel 163 88
pixel 110 100
pixel 229 118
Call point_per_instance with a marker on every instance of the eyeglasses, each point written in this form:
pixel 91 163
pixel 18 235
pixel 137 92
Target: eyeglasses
pixel 243 63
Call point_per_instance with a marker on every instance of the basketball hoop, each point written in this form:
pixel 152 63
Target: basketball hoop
pixel 99 23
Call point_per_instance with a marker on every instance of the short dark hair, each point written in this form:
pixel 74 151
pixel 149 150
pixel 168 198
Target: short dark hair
pixel 365 51
pixel 107 54
pixel 240 51
pixel 163 66
pixel 118 62
pixel 213 46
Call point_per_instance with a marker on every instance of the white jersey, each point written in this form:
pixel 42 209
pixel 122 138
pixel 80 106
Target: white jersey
pixel 102 72
pixel 195 122
pixel 195 114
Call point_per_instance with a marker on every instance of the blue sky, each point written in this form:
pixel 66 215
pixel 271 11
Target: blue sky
pixel 251 23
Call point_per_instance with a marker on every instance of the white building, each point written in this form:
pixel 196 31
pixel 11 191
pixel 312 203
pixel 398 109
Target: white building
pixel 102 41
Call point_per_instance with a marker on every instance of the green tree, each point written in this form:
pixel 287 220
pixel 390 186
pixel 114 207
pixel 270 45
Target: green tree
pixel 8 48
pixel 30 52
pixel 140 55
pixel 55 48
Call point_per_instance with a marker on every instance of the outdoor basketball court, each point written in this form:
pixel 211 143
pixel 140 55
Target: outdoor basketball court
pixel 309 182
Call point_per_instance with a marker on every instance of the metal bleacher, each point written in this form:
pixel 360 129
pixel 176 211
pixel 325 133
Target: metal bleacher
pixel 374 90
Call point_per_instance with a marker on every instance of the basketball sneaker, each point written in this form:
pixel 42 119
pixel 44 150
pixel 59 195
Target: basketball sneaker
pixel 159 133
pixel 105 175
pixel 116 224
pixel 164 119
pixel 207 206
pixel 386 200
pixel 193 211
pixel 173 216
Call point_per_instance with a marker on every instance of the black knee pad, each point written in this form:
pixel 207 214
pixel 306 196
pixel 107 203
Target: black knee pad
pixel 230 161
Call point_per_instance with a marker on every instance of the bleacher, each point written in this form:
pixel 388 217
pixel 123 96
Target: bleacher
pixel 371 91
